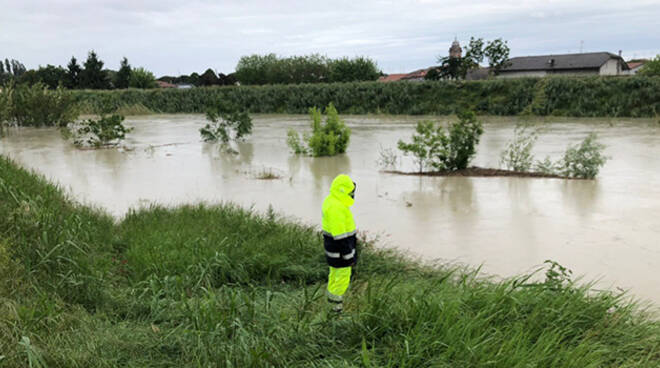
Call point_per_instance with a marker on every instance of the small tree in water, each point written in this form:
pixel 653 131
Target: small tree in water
pixel 227 123
pixel 451 150
pixel 327 139
pixel 104 132
pixel 518 154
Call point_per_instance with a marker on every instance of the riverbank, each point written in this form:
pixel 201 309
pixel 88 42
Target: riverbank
pixel 557 96
pixel 204 285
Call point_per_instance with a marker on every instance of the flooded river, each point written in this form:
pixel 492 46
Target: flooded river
pixel 607 229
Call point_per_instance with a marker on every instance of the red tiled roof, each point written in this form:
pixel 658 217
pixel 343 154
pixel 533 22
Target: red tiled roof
pixel 391 77
pixel 162 84
pixel 635 64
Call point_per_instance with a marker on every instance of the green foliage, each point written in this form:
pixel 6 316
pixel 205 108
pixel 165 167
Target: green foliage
pixel 102 132
pixel 142 78
pixel 651 68
pixel 328 138
pixel 51 76
pixel 496 51
pixel 37 106
pixel 208 78
pixel 584 160
pixel 270 69
pixel 223 286
pixel 297 144
pixel 93 76
pixel 5 106
pixel 566 96
pixel 226 119
pixel 428 140
pixel 518 154
pixel 123 77
pixel 387 159
pixel 453 150
pixel 73 74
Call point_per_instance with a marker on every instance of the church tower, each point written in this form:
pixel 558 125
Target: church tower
pixel 455 51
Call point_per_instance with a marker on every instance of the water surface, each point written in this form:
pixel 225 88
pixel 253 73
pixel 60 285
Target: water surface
pixel 607 229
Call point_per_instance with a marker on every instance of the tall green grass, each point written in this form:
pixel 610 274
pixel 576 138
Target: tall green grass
pixel 223 286
pixel 566 96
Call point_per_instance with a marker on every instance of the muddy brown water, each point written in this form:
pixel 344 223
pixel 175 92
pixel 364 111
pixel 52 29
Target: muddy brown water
pixel 607 229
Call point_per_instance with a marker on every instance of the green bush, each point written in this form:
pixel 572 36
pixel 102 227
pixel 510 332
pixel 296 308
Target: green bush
pixel 518 154
pixel 428 140
pixel 566 96
pixel 327 138
pixel 226 119
pixel 584 160
pixel 142 78
pixel 5 107
pixel 105 131
pixel 37 106
pixel 453 150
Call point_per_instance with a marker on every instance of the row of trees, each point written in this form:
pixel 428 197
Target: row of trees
pixel 90 75
pixel 208 78
pixel 496 52
pixel 271 69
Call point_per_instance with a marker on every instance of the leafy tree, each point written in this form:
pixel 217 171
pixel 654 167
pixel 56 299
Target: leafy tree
pixel 327 139
pixel 123 77
pixel 350 70
pixel 497 52
pixel 93 76
pixel 104 132
pixel 452 150
pixel 254 69
pixel 226 119
pixel 142 78
pixel 651 68
pixel 518 154
pixel 208 78
pixel 52 76
pixel 73 74
pixel 427 140
pixel 584 160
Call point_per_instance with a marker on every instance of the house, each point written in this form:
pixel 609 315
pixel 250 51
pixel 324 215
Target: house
pixel 162 84
pixel 635 66
pixel 594 63
pixel 417 75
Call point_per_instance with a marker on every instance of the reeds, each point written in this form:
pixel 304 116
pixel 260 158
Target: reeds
pixel 203 285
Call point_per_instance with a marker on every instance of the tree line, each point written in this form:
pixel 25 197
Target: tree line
pixel 90 75
pixel 315 68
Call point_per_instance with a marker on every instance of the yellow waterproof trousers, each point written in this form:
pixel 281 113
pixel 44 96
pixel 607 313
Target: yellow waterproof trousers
pixel 338 281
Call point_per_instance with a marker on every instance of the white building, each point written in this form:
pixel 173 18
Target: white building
pixel 594 63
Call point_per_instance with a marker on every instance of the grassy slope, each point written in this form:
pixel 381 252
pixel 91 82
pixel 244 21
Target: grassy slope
pixel 222 286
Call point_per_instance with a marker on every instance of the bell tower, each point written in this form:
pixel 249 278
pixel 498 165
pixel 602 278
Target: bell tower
pixel 455 51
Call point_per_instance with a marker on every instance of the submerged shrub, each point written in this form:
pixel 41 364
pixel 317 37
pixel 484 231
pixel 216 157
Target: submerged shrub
pixel 106 131
pixel 427 140
pixel 37 106
pixel 518 154
pixel 452 150
pixel 327 139
pixel 584 160
pixel 225 120
pixel 387 159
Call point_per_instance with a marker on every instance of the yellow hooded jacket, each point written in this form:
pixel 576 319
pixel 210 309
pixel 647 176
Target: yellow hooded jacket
pixel 339 231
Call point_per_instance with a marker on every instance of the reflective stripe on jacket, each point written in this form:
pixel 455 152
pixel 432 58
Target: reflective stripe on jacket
pixel 339 231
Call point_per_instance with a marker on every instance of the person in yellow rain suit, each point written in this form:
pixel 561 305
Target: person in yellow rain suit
pixel 339 238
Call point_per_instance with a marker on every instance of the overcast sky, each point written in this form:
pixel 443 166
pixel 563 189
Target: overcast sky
pixel 175 37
